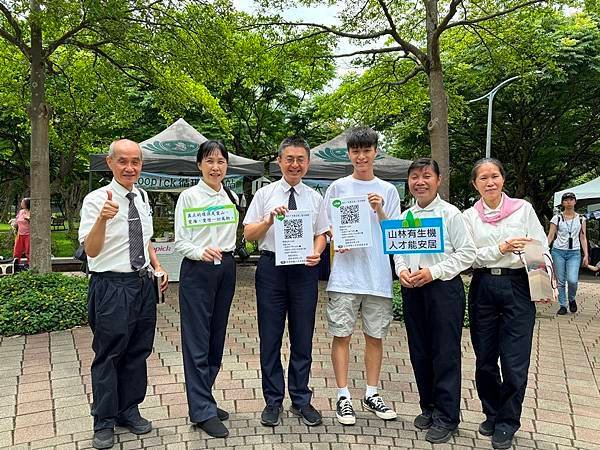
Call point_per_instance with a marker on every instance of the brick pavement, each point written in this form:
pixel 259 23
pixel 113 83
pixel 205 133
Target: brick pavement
pixel 45 388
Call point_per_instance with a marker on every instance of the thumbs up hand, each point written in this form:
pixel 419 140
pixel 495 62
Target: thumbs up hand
pixel 110 208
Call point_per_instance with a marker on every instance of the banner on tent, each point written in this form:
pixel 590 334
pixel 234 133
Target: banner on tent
pixel 177 183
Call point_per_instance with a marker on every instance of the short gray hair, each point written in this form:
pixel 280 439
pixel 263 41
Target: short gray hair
pixel 293 141
pixel 113 145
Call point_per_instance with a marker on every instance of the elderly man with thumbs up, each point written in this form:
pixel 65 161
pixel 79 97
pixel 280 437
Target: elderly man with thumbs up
pixel 115 229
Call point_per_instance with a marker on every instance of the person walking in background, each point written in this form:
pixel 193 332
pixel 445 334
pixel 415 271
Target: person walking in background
pixel 501 311
pixel 206 284
pixel 434 305
pixel 568 232
pixel 22 224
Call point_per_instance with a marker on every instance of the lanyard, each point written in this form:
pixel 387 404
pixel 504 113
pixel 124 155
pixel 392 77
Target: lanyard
pixel 570 224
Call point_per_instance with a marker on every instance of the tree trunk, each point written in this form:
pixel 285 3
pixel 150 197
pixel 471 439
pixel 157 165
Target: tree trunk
pixel 40 161
pixel 438 125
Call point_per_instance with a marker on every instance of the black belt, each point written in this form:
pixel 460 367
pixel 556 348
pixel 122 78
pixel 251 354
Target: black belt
pixel 500 271
pixel 268 253
pixel 227 253
pixel 142 273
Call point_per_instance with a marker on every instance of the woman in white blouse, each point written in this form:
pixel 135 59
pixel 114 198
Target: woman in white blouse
pixel 501 312
pixel 434 304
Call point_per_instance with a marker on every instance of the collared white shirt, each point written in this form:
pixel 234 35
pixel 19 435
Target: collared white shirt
pixel 114 256
pixel 487 237
pixel 191 242
pixel 363 270
pixel 277 194
pixel 459 249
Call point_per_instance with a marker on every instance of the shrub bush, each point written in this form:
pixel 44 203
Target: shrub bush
pixel 31 303
pixel 397 304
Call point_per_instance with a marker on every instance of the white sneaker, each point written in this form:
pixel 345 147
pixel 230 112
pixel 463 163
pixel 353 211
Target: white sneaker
pixel 375 404
pixel 345 412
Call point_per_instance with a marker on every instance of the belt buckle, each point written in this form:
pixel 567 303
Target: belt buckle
pixel 144 273
pixel 496 271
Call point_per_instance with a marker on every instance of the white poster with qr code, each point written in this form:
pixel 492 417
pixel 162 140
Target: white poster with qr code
pixel 351 219
pixel 293 237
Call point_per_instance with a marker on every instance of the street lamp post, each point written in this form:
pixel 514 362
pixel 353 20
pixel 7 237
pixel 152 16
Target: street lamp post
pixel 490 96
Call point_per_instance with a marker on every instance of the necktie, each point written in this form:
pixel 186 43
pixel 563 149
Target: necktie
pixel 292 200
pixel 136 237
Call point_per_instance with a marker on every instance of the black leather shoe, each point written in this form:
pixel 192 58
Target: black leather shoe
pixel 573 306
pixel 310 416
pixel 136 426
pixel 423 421
pixel 561 311
pixel 222 414
pixel 486 428
pixel 104 438
pixel 270 416
pixel 214 427
pixel 439 435
pixel 502 439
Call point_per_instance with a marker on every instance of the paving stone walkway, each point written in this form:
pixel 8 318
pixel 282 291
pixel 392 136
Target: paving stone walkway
pixel 45 388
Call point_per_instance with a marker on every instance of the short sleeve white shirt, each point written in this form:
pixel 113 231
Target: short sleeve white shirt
pixel 276 194
pixel 363 270
pixel 191 242
pixel 114 256
pixel 566 228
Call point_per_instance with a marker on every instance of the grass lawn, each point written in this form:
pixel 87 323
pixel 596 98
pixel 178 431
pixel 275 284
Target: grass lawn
pixel 62 244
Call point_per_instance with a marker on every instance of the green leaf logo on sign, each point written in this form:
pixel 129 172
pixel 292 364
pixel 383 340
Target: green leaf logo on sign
pixel 280 217
pixel 337 203
pixel 173 147
pixel 410 221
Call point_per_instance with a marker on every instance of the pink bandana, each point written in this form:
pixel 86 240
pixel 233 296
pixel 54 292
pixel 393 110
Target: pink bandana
pixel 509 206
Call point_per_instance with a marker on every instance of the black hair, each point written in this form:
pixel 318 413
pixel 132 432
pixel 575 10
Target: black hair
pixel 421 163
pixel 27 202
pixel 361 137
pixel 208 147
pixel 293 141
pixel 483 161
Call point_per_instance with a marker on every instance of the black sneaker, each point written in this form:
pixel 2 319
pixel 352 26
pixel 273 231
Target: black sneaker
pixel 345 412
pixel 310 416
pixel 502 439
pixel 138 425
pixel 561 311
pixel 104 438
pixel 439 435
pixel 423 421
pixel 486 428
pixel 573 306
pixel 214 427
pixel 270 416
pixel 375 404
pixel 222 414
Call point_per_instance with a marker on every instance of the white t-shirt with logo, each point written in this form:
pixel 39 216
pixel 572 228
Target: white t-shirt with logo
pixel 566 228
pixel 363 270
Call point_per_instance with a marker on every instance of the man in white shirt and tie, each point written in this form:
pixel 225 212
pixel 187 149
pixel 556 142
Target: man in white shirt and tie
pixel 290 290
pixel 115 229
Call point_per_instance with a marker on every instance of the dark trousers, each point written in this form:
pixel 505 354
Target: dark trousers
pixel 433 315
pixel 502 317
pixel 205 294
pixel 122 316
pixel 281 291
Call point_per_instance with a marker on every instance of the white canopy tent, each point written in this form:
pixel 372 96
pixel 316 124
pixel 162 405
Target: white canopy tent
pixel 586 193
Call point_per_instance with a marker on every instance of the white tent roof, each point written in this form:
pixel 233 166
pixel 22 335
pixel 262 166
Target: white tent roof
pixel 589 191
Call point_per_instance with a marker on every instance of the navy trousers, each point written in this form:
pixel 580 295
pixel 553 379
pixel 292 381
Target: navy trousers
pixel 122 316
pixel 281 291
pixel 433 316
pixel 502 317
pixel 205 294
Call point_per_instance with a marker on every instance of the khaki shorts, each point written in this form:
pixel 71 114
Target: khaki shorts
pixel 342 312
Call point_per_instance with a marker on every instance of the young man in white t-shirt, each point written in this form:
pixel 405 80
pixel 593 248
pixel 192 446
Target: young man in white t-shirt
pixel 361 278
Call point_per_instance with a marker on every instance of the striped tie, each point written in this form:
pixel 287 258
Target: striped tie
pixel 136 236
pixel 292 200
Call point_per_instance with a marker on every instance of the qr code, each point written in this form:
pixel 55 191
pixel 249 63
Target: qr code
pixel 349 214
pixel 292 229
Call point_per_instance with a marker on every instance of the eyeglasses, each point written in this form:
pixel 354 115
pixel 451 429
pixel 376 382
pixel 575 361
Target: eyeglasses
pixel 292 160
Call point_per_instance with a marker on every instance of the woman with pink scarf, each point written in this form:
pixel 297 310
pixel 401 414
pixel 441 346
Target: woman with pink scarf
pixel 501 312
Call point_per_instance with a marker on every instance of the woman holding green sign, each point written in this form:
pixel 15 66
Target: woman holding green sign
pixel 434 298
pixel 205 233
